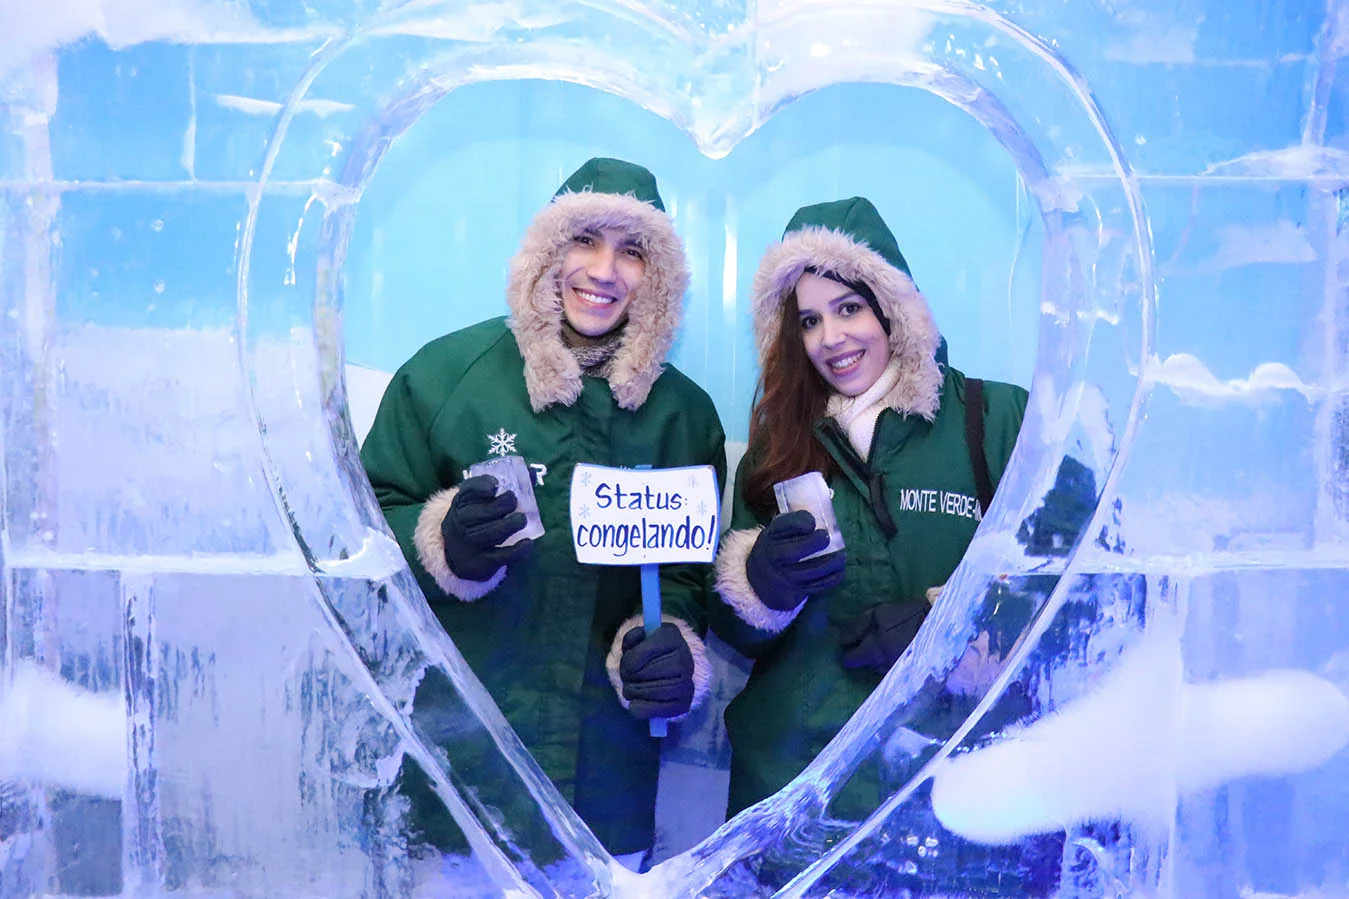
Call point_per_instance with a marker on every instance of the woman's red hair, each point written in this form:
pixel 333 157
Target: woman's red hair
pixel 790 399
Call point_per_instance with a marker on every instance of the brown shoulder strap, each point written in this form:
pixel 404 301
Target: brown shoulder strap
pixel 974 438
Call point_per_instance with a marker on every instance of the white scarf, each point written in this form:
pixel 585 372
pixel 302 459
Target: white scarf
pixel 857 414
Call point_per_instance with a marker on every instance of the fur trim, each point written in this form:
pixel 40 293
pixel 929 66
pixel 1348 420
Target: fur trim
pixel 702 665
pixel 913 332
pixel 733 584
pixel 431 551
pixel 552 374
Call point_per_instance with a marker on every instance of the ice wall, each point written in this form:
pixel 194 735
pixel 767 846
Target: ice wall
pixel 210 649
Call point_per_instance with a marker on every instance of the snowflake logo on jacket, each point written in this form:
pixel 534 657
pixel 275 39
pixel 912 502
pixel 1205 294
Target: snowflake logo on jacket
pixel 501 443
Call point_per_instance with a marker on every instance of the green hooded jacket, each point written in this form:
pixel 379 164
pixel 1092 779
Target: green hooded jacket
pixel 799 695
pixel 543 633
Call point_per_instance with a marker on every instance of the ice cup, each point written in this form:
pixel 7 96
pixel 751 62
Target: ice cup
pixel 513 474
pixel 810 492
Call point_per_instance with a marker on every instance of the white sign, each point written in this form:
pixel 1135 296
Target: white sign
pixel 627 516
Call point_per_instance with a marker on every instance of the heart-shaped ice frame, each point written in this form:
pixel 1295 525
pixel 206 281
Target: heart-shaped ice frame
pixel 377 631
pixel 1095 274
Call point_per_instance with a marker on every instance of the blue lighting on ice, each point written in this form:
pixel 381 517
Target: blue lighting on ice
pixel 223 223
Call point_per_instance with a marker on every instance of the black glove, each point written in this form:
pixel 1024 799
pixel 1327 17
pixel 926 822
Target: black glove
pixel 1052 529
pixel 877 637
pixel 475 526
pixel 657 672
pixel 774 566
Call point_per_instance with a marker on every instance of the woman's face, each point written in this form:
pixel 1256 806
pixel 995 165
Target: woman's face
pixel 844 340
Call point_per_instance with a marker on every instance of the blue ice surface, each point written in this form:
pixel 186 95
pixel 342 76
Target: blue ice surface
pixel 222 222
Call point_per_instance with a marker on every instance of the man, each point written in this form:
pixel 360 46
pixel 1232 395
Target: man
pixel 576 373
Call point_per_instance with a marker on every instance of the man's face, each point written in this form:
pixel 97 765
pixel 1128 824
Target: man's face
pixel 600 273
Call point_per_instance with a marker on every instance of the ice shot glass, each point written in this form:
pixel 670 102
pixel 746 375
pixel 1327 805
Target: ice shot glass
pixel 514 475
pixel 810 492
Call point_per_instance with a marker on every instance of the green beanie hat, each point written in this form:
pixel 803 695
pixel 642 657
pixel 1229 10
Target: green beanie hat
pixel 857 218
pixel 603 193
pixel 848 241
pixel 602 175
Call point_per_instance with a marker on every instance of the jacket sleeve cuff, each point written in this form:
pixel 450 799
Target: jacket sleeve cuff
pixel 431 551
pixel 733 584
pixel 702 665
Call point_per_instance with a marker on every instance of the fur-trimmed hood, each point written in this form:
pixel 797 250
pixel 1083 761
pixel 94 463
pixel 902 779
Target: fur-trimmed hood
pixel 850 240
pixel 604 193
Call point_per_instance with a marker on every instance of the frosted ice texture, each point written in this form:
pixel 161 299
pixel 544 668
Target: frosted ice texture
pixel 210 648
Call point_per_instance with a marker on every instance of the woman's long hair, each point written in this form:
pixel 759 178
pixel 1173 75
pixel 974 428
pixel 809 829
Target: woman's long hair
pixel 790 398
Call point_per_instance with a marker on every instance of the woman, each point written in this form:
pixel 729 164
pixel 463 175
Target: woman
pixel 854 384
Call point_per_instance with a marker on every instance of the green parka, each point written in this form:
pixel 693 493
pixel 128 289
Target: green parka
pixel 543 633
pixel 799 695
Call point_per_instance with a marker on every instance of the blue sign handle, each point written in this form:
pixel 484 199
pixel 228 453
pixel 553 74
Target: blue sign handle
pixel 651 621
pixel 651 617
